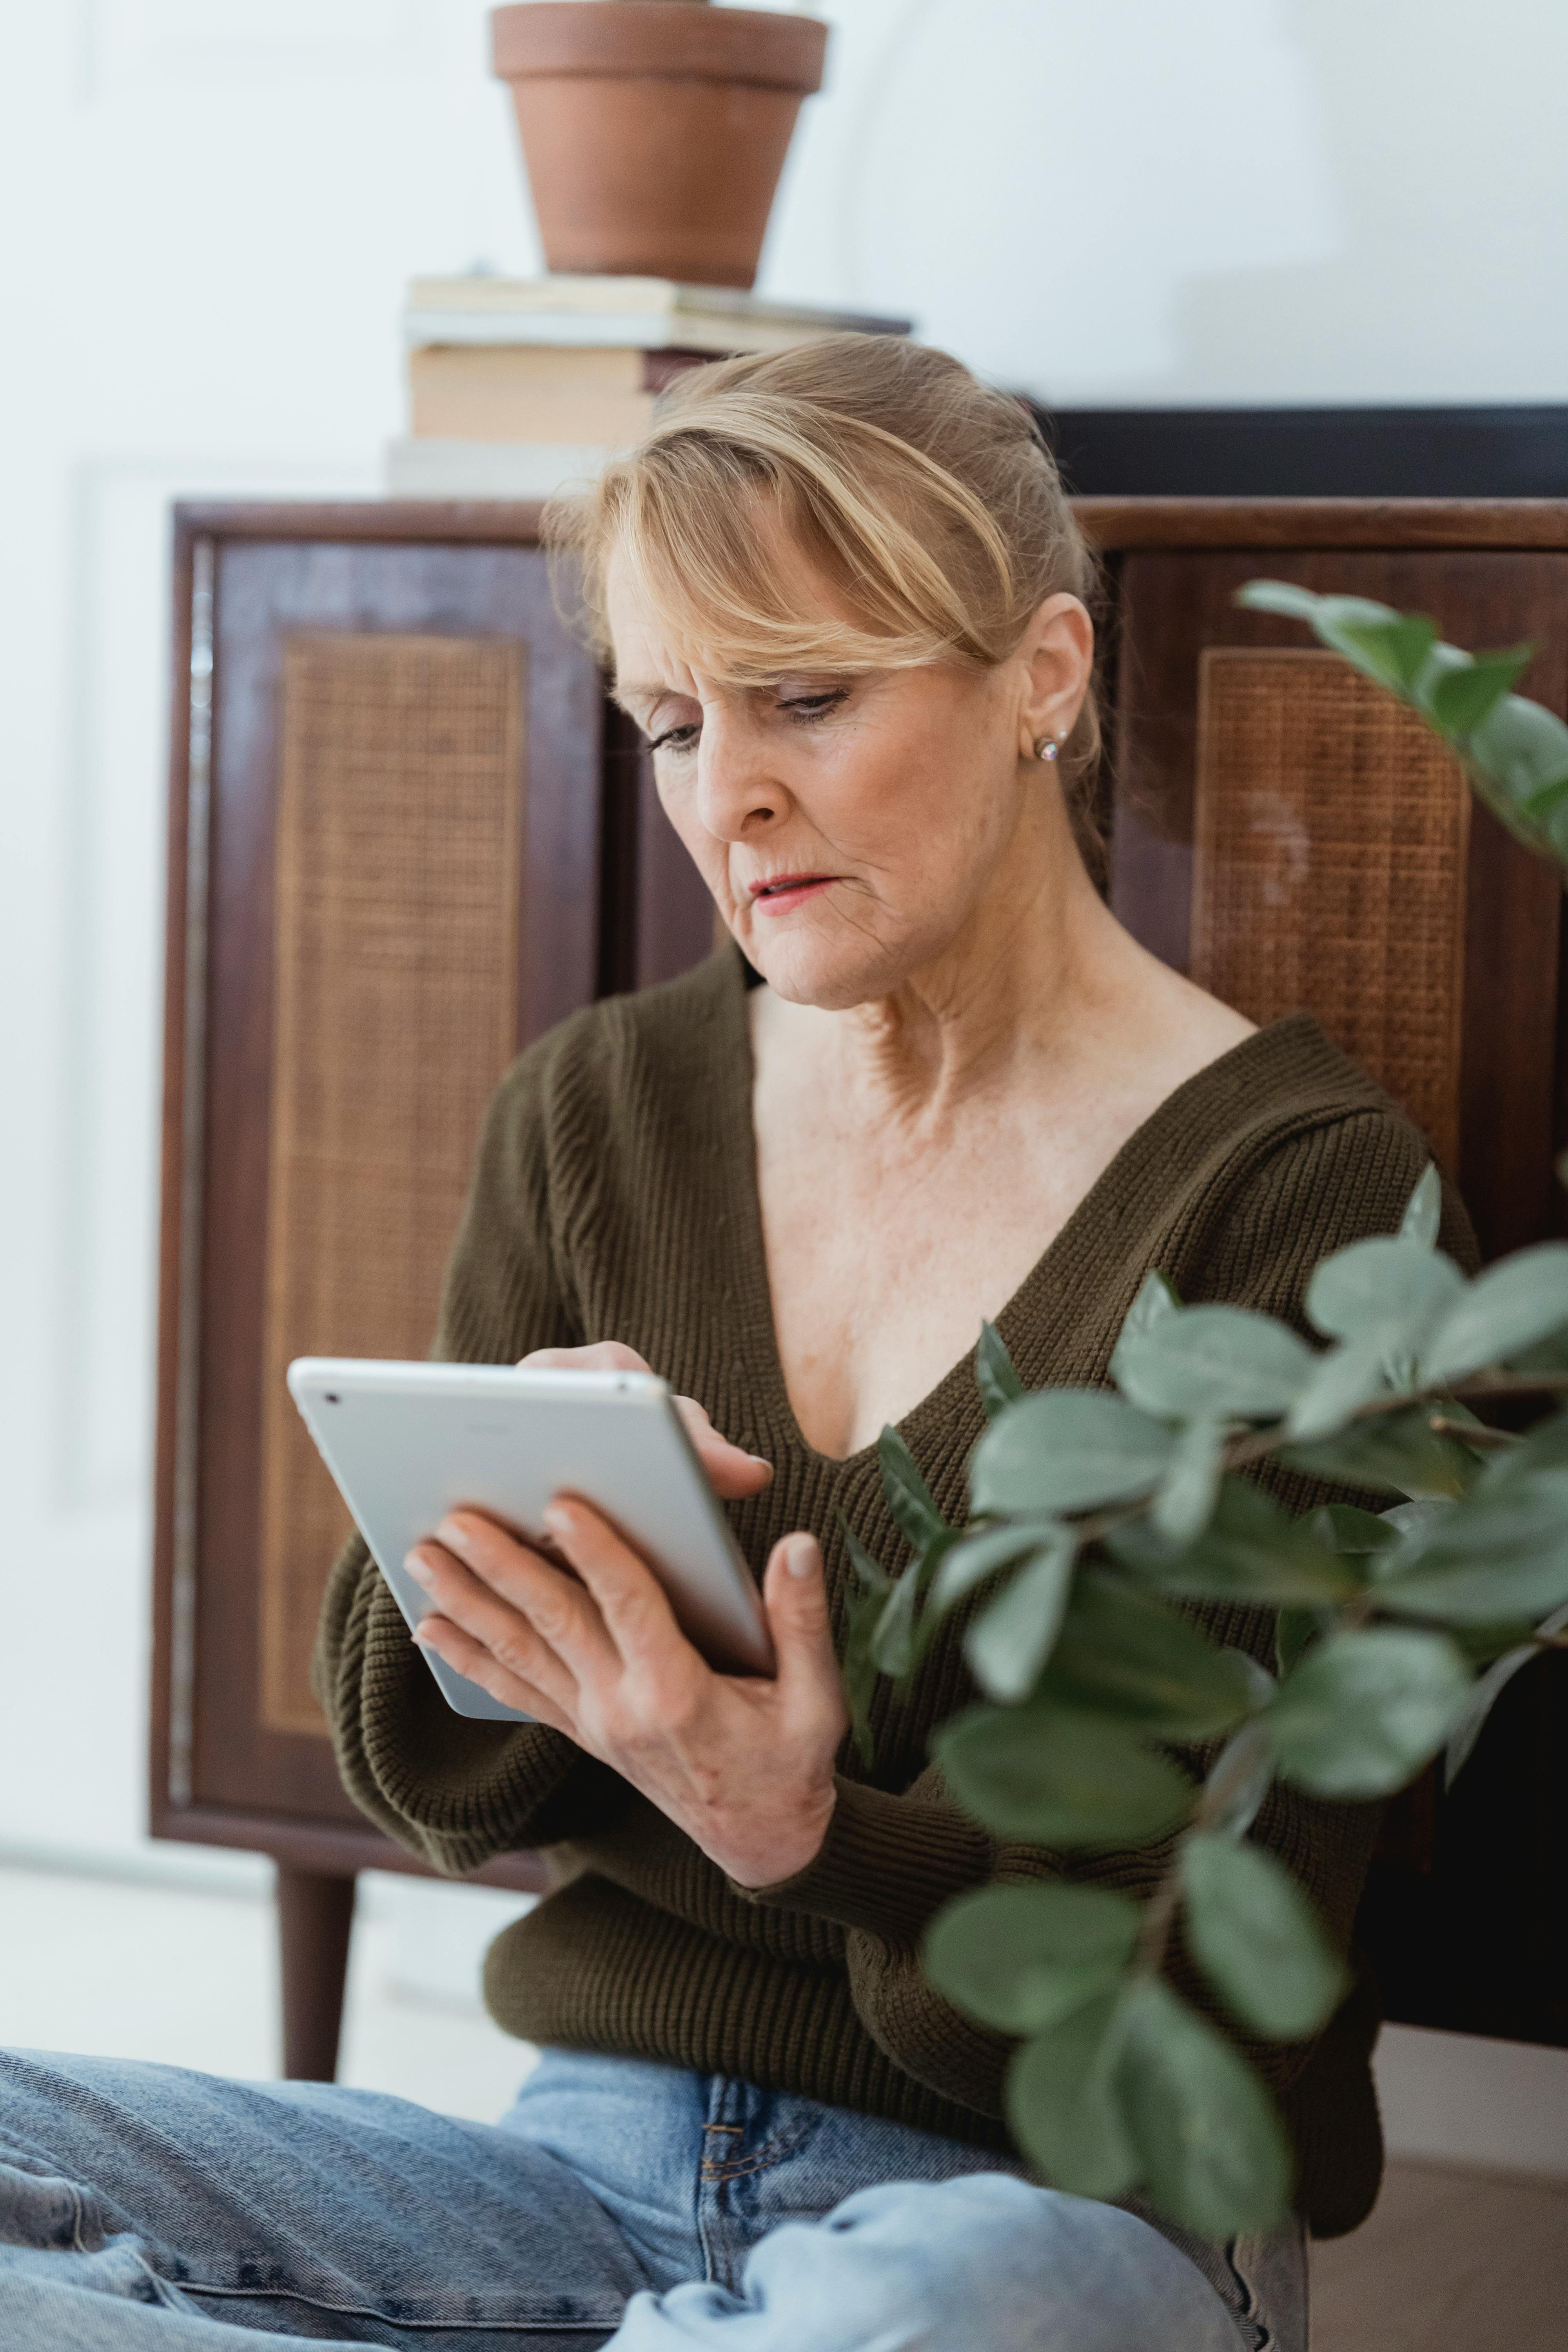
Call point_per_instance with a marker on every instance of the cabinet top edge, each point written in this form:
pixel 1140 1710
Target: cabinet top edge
pixel 1121 525
pixel 504 523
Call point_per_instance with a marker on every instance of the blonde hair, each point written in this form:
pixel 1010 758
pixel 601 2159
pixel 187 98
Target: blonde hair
pixel 927 503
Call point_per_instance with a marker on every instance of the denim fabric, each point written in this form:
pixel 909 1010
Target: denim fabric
pixel 143 2208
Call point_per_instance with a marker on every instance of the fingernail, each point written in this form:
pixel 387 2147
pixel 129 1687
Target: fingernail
pixel 415 1568
pixel 450 1534
pixel 800 1555
pixel 559 1519
pixel 760 1460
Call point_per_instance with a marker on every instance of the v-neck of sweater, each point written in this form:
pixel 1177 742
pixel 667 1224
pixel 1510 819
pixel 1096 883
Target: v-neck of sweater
pixel 1242 1093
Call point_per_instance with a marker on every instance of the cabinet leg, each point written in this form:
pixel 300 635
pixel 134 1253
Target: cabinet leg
pixel 315 1914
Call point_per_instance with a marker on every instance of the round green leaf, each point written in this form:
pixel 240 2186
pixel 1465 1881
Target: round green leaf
pixel 1363 1712
pixel 1251 1551
pixel 1214 2157
pixel 1020 1958
pixel 1515 1304
pixel 1064 2106
pixel 980 1554
pixel 1127 1653
pixel 1501 1553
pixel 1521 747
pixel 1393 1453
pixel 1067 1450
pixel 1059 1777
pixel 1212 1363
pixel 1385 1283
pixel 1423 1215
pixel 1010 1641
pixel 1257 1939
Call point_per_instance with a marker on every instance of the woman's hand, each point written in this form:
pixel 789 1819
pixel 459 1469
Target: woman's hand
pixel 743 1765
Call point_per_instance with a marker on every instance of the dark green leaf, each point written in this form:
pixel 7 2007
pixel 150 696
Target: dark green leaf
pixel 1342 1528
pixel 1520 747
pixel 871 1575
pixel 1387 1283
pixel 981 1552
pixel 1250 1551
pixel 1214 2157
pixel 1067 1450
pixel 1239 1781
pixel 1390 1454
pixel 1156 1298
pixel 1126 1653
pixel 1294 1631
pixel 1257 1939
pixel 1485 1692
pixel 858 1670
pixel 1363 1712
pixel 1423 1215
pixel 1064 2106
pixel 1212 1363
pixel 1185 1497
pixel 1393 651
pixel 1020 1958
pixel 893 1635
pixel 999 1383
pixel 1011 1638
pixel 1514 1304
pixel 1059 1777
pixel 908 1497
pixel 1466 695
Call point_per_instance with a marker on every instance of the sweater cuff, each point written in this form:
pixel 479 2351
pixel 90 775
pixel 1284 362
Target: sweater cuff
pixel 886 1866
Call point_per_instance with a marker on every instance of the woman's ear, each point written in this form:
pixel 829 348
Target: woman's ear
pixel 1057 652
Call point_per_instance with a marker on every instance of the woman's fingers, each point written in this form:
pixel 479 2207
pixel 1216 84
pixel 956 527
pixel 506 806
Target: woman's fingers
pixel 794 1596
pixel 467 1656
pixel 602 1356
pixel 539 1621
pixel 631 1601
pixel 731 1473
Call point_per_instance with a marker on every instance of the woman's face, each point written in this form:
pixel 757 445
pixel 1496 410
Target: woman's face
pixel 849 829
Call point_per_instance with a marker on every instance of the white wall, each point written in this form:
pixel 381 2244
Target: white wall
pixel 207 212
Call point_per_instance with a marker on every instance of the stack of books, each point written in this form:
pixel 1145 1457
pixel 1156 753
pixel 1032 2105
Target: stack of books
pixel 519 386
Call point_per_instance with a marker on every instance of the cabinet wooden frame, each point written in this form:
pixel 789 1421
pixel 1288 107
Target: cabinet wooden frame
pixel 632 911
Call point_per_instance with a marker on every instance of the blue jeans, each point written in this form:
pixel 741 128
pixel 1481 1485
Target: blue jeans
pixel 143 2208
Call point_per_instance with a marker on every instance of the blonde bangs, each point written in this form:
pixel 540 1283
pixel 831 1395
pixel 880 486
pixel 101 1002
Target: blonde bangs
pixel 860 503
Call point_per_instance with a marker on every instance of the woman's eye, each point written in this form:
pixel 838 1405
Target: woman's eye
pixel 677 738
pixel 805 708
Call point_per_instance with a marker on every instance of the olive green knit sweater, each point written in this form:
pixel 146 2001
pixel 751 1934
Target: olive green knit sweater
pixel 615 1197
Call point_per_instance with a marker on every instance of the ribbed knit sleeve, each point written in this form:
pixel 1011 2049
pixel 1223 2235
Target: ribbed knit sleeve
pixel 455 1790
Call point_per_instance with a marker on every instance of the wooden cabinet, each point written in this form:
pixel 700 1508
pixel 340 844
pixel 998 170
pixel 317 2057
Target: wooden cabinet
pixel 408 834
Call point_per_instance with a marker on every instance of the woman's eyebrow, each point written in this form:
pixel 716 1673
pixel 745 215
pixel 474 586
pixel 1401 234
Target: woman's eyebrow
pixel 629 695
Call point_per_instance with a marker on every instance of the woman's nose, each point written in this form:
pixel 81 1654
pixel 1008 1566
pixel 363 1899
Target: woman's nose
pixel 738 788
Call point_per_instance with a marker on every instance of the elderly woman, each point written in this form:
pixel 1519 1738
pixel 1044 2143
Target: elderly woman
pixel 932 1080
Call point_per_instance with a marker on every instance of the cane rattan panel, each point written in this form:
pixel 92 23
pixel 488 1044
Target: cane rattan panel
pixel 1330 833
pixel 394 1011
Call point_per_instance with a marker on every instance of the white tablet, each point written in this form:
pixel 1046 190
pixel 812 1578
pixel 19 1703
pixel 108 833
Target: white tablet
pixel 408 1442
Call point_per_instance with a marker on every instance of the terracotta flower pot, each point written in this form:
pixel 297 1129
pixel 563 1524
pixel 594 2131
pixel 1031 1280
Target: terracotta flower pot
pixel 655 131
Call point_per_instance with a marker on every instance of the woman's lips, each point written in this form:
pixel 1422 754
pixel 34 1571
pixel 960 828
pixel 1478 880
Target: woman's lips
pixel 790 890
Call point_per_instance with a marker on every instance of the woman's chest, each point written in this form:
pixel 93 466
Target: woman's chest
pixel 882 1262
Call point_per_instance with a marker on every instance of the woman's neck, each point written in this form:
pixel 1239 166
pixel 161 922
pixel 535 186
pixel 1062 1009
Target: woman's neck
pixel 1034 981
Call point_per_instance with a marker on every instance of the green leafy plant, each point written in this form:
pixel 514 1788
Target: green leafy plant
pixel 1110 1721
